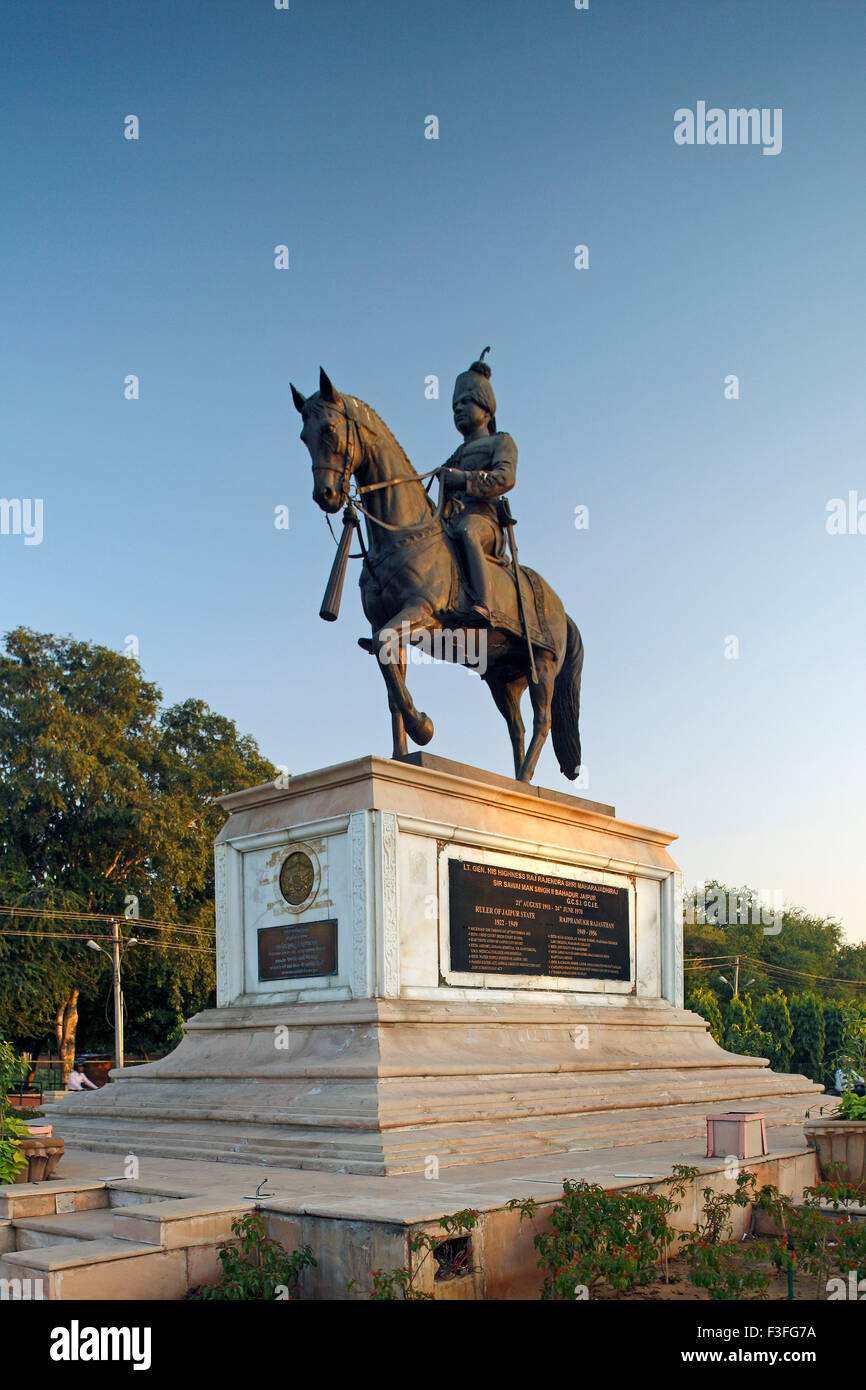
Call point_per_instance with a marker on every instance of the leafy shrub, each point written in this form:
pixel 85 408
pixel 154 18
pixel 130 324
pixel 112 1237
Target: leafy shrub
pixel 702 1001
pixel 255 1266
pixel 396 1285
pixel 807 1021
pixel 12 1160
pixel 736 1016
pixel 837 1014
pixel 775 1020
pixel 12 1130
pixel 598 1237
pixel 742 1033
pixel 814 1241
pixel 852 1057
pixel 728 1269
pixel 852 1106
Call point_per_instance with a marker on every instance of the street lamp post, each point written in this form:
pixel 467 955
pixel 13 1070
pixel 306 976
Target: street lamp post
pixel 735 987
pixel 115 956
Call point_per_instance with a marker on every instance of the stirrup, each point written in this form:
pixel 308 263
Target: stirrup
pixel 366 644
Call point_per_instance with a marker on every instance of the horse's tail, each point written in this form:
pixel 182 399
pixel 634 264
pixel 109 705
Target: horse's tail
pixel 566 704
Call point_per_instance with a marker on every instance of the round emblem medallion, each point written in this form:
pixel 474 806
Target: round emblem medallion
pixel 297 877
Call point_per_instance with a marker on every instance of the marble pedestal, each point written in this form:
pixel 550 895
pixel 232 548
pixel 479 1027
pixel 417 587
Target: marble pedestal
pixel 392 1057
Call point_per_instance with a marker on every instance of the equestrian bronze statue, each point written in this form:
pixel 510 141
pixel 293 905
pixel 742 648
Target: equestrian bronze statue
pixel 442 571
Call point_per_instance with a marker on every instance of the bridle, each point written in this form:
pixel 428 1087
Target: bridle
pixel 353 439
pixel 352 499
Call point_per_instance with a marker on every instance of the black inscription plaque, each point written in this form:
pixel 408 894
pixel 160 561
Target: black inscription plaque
pixel 298 950
pixel 512 922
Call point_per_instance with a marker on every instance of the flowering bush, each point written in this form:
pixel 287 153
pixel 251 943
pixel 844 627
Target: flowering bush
pixel 598 1237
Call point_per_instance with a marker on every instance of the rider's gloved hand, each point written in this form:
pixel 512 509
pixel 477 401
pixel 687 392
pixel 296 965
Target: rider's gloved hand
pixel 452 477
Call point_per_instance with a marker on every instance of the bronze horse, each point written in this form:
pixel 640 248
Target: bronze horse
pixel 411 586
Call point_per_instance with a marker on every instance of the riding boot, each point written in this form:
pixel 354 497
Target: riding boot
pixel 478 578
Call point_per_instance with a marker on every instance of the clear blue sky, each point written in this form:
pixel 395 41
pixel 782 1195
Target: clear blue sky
pixel 707 516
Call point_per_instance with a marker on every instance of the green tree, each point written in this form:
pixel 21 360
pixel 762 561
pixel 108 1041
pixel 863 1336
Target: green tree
pixel 837 1014
pixel 805 943
pixel 723 921
pixel 851 965
pixel 807 1021
pixel 775 1020
pixel 702 1001
pixel 736 1019
pixel 105 799
pixel 742 1033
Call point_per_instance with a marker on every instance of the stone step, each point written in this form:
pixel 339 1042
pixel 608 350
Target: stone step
pixel 139 1194
pixel 148 1250
pixel 178 1222
pixel 106 1269
pixel 316 1159
pixel 401 1100
pixel 420 1111
pixel 32 1232
pixel 57 1197
pixel 216 1141
pixel 405 1147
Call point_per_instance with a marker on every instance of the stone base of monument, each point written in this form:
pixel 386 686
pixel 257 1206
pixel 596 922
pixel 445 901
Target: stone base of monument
pixel 422 963
pixel 97 1237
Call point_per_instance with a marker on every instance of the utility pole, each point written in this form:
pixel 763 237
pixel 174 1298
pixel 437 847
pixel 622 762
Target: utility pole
pixel 118 946
pixel 118 994
pixel 735 987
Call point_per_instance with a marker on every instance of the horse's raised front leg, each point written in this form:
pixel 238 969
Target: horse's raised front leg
pixel 541 694
pixel 389 648
pixel 398 728
pixel 506 694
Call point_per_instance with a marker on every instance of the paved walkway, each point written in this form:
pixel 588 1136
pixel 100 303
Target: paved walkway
pixel 409 1197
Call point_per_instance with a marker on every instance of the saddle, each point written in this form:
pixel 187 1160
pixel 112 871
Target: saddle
pixel 504 612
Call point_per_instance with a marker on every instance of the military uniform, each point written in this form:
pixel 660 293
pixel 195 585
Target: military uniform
pixel 490 465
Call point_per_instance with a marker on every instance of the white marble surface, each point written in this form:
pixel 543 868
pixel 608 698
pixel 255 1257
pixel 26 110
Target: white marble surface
pixel 381 845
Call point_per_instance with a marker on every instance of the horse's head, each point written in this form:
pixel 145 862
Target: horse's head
pixel 331 432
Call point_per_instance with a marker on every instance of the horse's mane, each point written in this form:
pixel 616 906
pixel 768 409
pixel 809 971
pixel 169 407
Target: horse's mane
pixel 364 415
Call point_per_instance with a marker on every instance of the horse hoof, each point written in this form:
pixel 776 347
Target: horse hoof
pixel 420 729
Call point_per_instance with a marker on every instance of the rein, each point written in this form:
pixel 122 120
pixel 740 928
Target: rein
pixel 392 482
pixel 388 525
pixel 351 499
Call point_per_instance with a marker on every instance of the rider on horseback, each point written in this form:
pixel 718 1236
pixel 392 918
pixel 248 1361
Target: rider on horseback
pixel 480 471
